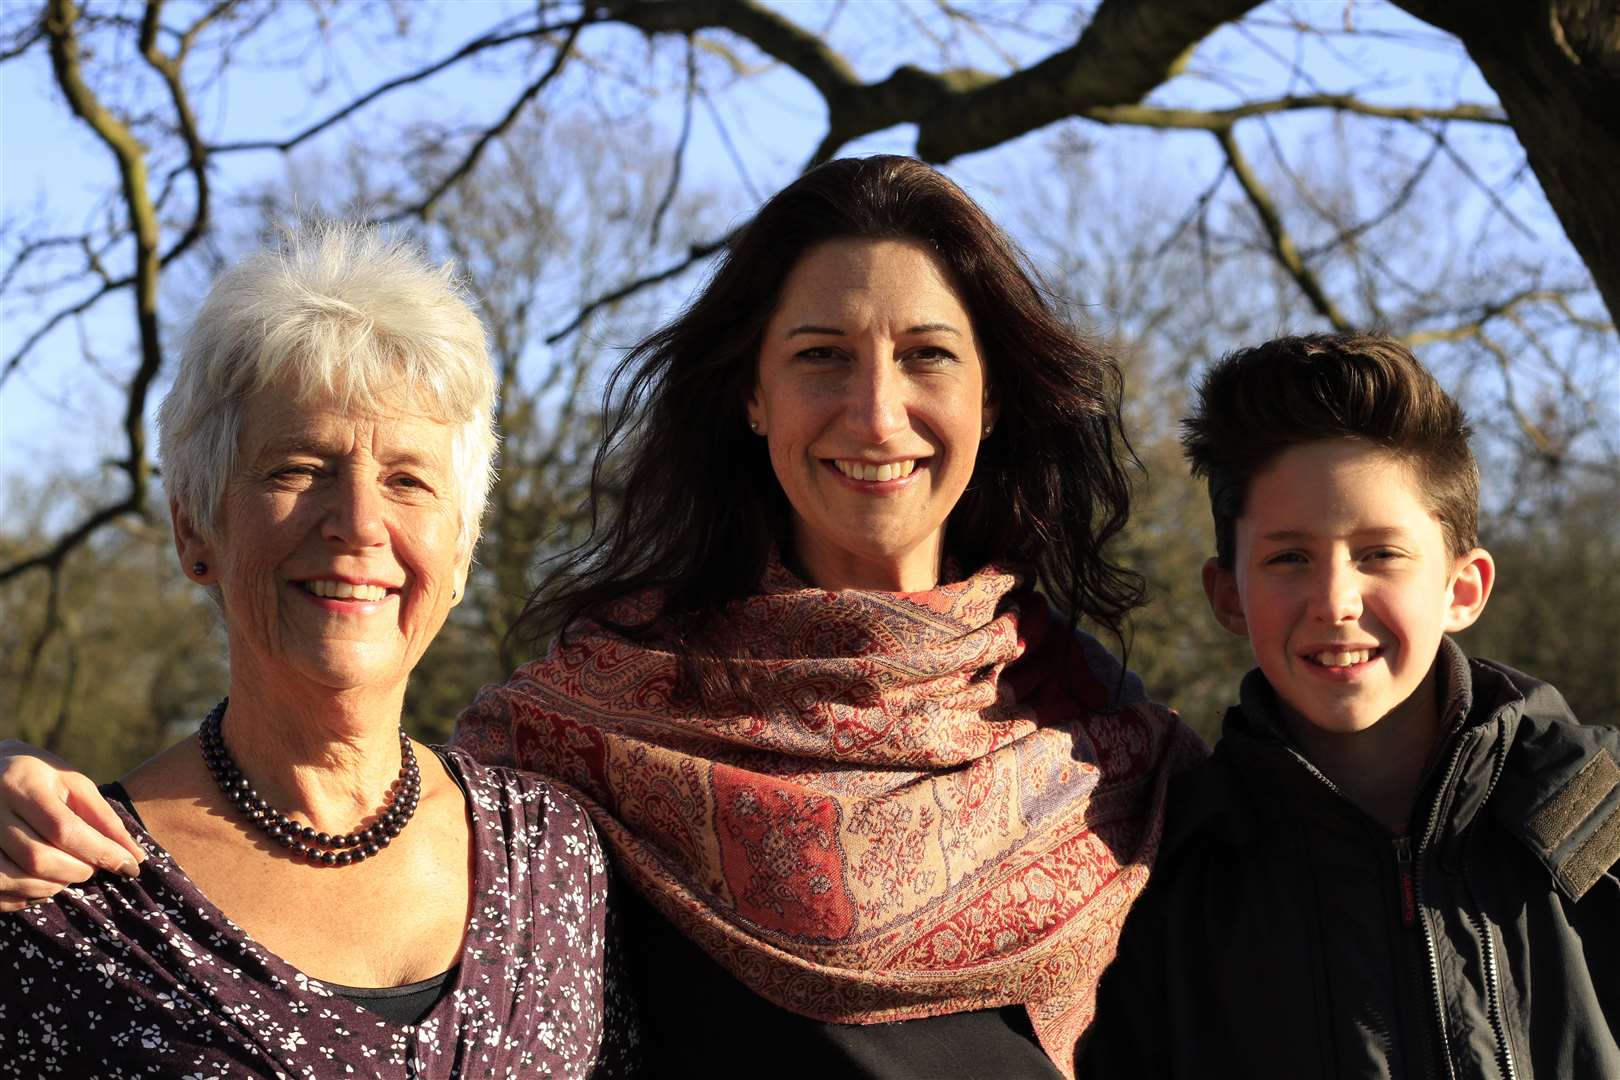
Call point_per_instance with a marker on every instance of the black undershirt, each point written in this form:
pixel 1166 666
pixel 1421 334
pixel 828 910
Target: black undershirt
pixel 407 1004
pixel 698 1021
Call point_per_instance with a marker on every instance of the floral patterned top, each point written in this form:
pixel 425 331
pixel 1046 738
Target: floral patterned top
pixel 140 977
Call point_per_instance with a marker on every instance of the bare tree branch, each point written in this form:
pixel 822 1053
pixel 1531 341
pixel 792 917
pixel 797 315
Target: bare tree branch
pixel 60 19
pixel 472 48
pixel 679 153
pixel 695 254
pixel 24 43
pixel 424 208
pixel 1282 243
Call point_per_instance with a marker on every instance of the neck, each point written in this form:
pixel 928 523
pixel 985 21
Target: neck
pixel 1379 768
pixel 327 757
pixel 914 571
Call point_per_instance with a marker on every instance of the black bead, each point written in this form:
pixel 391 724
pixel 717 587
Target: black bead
pixel 344 858
pixel 328 858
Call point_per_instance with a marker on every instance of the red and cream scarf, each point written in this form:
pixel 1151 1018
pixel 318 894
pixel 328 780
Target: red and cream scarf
pixel 916 804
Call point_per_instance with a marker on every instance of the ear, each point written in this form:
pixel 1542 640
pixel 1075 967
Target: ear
pixel 754 407
pixel 192 548
pixel 1471 580
pixel 1220 587
pixel 992 406
pixel 463 568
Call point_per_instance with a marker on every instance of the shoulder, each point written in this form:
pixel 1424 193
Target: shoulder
pixel 1208 809
pixel 1069 662
pixel 1559 791
pixel 511 798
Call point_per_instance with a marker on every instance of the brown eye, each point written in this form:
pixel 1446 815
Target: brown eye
pixel 819 354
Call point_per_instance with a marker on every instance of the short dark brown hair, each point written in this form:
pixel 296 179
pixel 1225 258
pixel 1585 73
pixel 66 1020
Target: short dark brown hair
pixel 1257 403
pixel 698 508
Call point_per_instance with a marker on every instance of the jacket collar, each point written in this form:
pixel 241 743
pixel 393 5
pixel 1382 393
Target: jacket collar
pixel 1457 783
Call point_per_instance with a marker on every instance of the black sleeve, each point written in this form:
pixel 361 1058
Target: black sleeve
pixel 1130 1036
pixel 622 1052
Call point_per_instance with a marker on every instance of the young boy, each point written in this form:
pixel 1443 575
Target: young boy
pixel 1399 862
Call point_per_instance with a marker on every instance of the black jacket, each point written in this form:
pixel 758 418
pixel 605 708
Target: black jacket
pixel 1287 934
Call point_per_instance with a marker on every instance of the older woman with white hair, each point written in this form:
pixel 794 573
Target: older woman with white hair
pixel 320 894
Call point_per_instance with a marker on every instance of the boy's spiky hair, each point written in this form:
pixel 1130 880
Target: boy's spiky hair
pixel 1257 403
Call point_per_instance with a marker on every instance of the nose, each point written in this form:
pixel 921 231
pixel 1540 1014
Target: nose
pixel 1337 596
pixel 353 515
pixel 876 409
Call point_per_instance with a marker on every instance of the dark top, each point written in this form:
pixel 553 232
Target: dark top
pixel 407 1004
pixel 123 977
pixel 698 1021
pixel 1285 933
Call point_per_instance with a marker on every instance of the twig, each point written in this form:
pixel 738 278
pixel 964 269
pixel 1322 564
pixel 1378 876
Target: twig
pixel 477 45
pixel 424 209
pixel 695 254
pixel 680 143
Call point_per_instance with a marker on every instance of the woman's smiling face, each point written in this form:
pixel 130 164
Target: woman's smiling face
pixel 873 398
pixel 340 547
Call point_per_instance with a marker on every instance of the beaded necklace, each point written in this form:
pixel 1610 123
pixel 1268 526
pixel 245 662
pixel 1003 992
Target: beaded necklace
pixel 321 849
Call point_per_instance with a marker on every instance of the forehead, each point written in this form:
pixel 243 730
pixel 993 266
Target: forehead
pixel 1335 488
pixel 275 420
pixel 891 279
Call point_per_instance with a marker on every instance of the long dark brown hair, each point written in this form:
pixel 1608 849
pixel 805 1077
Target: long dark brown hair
pixel 695 507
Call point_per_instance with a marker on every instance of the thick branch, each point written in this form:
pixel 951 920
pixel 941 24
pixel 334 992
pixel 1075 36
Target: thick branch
pixel 1555 65
pixel 61 15
pixel 1129 48
pixel 196 152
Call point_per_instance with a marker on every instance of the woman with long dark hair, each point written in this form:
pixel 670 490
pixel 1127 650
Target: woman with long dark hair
pixel 807 679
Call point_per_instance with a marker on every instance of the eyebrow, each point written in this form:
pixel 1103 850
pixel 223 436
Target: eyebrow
pixel 1291 535
pixel 297 444
pixel 833 331
pixel 300 444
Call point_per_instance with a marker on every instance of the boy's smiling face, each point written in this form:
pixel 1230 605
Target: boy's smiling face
pixel 1343 583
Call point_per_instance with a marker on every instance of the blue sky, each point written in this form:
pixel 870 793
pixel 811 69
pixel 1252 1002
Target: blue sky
pixel 53 171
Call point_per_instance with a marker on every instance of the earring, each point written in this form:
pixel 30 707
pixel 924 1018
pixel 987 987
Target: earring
pixel 987 428
pixel 753 425
pixel 454 594
pixel 199 568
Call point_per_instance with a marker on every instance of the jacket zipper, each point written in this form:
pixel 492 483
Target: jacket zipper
pixel 1493 1001
pixel 1410 874
pixel 1408 886
pixel 1443 1045
pixel 1493 983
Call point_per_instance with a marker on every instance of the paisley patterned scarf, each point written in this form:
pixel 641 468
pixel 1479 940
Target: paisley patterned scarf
pixel 913 804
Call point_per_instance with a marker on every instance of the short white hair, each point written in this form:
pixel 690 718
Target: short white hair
pixel 336 310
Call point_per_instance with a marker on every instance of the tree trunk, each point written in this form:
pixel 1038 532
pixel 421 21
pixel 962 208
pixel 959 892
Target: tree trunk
pixel 1555 65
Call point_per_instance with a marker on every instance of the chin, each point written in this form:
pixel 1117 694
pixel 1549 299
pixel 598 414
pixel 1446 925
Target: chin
pixel 1336 718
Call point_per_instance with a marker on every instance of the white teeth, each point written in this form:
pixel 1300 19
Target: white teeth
pixel 1342 659
pixel 860 470
pixel 342 590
